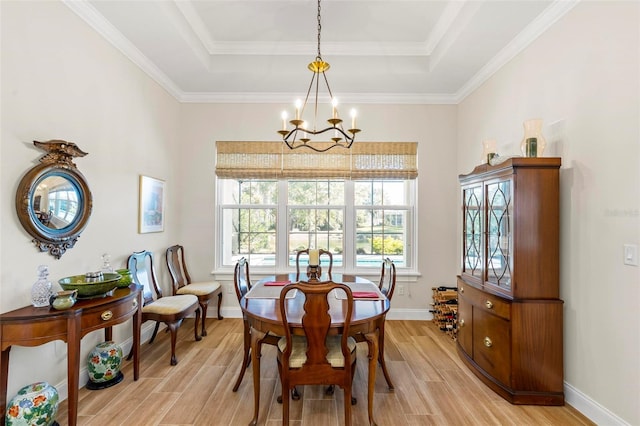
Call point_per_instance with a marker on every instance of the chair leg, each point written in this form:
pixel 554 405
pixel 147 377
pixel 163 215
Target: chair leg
pixel 195 326
pixel 219 305
pixel 173 329
pixel 347 405
pixel 155 331
pixel 203 308
pixel 246 357
pixel 285 403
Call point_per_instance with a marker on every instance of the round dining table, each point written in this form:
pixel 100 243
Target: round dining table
pixel 263 315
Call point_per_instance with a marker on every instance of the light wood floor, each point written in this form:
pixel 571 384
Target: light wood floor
pixel 433 387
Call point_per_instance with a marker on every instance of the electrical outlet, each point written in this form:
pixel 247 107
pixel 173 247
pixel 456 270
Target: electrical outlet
pixel 401 290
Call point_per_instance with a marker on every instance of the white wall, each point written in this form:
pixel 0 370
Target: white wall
pixel 433 127
pixel 61 80
pixel 583 78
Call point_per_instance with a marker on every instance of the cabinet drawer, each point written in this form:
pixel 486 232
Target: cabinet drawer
pixel 485 301
pixel 99 317
pixel 465 325
pixel 492 345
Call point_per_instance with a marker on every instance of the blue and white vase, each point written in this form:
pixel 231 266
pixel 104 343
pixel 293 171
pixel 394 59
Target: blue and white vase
pixel 35 404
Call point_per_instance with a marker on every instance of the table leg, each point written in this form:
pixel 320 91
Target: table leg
pixel 372 341
pixel 256 347
pixel 73 365
pixel 387 377
pixel 4 381
pixel 137 324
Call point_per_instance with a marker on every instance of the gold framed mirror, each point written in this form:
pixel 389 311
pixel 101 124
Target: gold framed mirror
pixel 53 200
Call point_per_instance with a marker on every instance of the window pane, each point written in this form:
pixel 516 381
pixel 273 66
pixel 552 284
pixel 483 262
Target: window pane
pixel 250 233
pixel 249 191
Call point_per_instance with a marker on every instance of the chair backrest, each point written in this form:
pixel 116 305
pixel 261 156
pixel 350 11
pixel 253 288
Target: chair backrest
pixel 177 267
pixel 241 280
pixel 316 323
pixel 140 264
pixel 388 278
pixel 321 253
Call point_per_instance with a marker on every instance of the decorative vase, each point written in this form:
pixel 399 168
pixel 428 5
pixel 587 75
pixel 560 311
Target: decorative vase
pixel 533 143
pixel 41 289
pixel 103 366
pixel 35 404
pixel 488 150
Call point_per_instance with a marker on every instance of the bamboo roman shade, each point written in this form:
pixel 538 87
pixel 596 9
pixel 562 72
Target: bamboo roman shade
pixel 273 160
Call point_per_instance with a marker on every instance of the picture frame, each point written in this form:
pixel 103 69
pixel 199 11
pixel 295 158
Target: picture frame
pixel 151 206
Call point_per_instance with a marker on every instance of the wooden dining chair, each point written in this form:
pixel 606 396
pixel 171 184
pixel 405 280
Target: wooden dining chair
pixel 321 253
pixel 242 284
pixel 316 357
pixel 386 285
pixel 204 291
pixel 171 310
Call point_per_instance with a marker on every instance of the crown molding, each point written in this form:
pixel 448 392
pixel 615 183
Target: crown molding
pixel 360 98
pixel 538 26
pixel 96 21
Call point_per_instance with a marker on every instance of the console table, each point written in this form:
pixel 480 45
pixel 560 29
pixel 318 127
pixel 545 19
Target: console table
pixel 31 326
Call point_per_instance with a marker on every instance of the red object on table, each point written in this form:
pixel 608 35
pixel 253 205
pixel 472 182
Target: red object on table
pixel 365 295
pixel 276 283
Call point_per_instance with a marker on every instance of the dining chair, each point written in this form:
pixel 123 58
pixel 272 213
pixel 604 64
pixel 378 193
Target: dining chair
pixel 204 291
pixel 386 285
pixel 171 310
pixel 316 357
pixel 242 284
pixel 321 253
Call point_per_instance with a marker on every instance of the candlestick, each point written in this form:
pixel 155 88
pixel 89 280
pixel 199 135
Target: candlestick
pixel 284 120
pixel 334 103
pixel 298 105
pixel 314 257
pixel 353 118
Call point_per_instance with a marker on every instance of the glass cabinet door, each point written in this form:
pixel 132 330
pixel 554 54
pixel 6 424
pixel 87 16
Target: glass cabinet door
pixel 499 234
pixel 472 255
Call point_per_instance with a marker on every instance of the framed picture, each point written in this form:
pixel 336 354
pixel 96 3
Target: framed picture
pixel 152 205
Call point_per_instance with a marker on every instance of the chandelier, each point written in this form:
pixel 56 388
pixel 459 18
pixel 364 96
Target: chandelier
pixel 300 134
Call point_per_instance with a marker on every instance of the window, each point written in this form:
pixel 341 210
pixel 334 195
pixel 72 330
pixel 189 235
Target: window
pixel 360 222
pixel 358 203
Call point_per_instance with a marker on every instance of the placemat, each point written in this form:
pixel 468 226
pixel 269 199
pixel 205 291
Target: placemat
pixel 262 291
pixel 364 288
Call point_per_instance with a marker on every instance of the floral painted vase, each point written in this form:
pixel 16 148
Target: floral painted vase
pixel 35 404
pixel 103 365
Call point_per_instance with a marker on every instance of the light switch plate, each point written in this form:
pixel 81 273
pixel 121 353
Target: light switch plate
pixel 631 254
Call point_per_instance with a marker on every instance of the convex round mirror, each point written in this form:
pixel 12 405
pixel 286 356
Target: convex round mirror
pixel 53 200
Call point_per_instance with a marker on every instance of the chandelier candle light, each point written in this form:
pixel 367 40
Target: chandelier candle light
pixel 298 136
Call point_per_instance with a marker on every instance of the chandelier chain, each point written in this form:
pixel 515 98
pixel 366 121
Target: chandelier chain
pixel 319 30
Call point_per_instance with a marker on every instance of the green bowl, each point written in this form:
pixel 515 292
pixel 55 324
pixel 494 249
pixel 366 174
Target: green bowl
pixel 90 288
pixel 126 278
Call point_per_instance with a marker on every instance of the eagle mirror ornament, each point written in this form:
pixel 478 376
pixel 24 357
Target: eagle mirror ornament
pixel 53 200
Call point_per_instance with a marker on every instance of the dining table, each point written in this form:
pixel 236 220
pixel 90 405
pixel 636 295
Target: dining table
pixel 262 310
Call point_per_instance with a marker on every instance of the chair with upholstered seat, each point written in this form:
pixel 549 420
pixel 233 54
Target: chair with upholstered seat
pixel 242 284
pixel 321 253
pixel 316 357
pixel 204 291
pixel 171 310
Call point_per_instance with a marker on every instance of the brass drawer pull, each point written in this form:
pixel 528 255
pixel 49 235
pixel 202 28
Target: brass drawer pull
pixel 461 323
pixel 488 304
pixel 461 289
pixel 487 342
pixel 106 315
pixel 135 303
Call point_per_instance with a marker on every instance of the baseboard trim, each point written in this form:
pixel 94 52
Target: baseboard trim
pixel 590 408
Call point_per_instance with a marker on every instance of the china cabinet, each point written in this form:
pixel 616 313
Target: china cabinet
pixel 509 311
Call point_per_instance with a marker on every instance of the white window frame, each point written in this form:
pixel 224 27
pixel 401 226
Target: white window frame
pixel 348 267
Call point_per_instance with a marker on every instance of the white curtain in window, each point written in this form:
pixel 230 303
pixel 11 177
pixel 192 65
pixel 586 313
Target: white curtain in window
pixel 364 160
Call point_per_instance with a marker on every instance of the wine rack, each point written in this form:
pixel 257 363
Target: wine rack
pixel 445 309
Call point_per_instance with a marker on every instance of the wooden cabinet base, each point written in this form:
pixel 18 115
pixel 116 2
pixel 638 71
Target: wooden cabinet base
pixel 515 397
